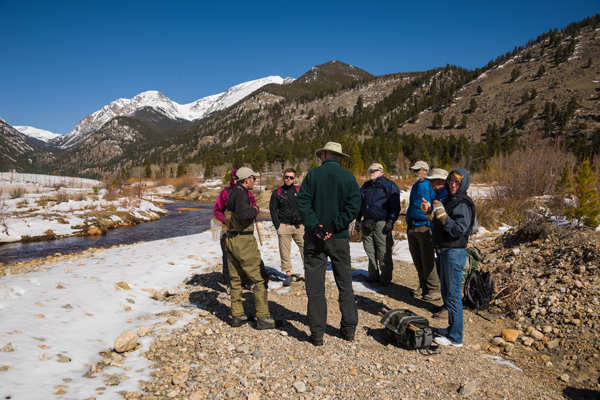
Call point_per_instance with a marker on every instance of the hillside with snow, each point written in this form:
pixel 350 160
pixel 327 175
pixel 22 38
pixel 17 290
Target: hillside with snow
pixel 161 103
pixel 35 133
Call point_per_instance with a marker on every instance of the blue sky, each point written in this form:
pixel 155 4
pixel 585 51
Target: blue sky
pixel 62 60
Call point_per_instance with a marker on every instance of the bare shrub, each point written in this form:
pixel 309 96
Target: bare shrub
pixel 79 196
pixel 17 192
pixel 487 215
pixel 532 170
pixel 62 196
pixel 183 182
pixel 3 213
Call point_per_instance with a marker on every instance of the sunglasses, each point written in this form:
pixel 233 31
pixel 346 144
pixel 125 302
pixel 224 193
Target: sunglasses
pixel 450 183
pixel 373 170
pixel 289 177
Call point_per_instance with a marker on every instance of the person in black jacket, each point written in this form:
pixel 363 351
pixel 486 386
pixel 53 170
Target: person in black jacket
pixel 287 221
pixel 379 211
pixel 452 222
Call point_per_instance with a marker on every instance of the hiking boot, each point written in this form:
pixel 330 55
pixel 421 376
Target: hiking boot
pixel 432 296
pixel 416 292
pixel 315 340
pixel 442 313
pixel 239 320
pixel 265 323
pixel 347 336
pixel 288 280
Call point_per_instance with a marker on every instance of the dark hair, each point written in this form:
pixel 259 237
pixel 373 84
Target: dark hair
pixel 290 170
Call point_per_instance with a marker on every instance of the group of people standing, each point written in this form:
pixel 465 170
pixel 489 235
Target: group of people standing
pixel 317 215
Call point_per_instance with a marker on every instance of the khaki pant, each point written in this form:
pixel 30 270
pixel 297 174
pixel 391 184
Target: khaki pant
pixel 244 262
pixel 421 250
pixel 286 233
pixel 378 247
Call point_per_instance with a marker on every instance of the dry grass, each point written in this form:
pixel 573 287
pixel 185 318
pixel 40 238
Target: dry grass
pixel 62 196
pixel 186 181
pixel 17 192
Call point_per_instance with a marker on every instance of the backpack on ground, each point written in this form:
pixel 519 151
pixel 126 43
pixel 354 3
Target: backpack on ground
pixel 408 328
pixel 474 256
pixel 479 290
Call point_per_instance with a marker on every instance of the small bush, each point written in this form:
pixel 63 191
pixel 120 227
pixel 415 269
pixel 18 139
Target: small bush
pixel 183 182
pixel 62 197
pixel 17 192
pixel 79 196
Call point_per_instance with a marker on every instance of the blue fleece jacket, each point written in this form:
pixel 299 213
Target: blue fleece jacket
pixel 419 191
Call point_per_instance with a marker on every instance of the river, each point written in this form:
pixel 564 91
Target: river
pixel 184 218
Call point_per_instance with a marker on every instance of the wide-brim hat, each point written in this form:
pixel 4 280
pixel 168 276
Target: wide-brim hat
pixel 438 173
pixel 244 173
pixel 420 165
pixel 376 167
pixel 331 147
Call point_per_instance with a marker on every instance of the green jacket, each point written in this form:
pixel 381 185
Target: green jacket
pixel 329 194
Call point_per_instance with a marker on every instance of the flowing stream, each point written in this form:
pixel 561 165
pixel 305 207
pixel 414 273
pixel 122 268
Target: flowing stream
pixel 184 218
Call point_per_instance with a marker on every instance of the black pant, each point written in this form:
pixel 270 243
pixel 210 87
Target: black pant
pixel 315 265
pixel 226 278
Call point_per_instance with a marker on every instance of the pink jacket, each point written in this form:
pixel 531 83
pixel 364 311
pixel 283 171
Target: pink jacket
pixel 221 203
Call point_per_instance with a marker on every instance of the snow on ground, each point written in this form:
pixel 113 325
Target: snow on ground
pixel 33 214
pixel 73 308
pixel 9 180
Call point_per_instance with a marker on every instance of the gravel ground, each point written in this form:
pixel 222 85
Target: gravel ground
pixel 210 359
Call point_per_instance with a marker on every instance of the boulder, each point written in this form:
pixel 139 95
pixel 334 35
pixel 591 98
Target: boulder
pixel 510 335
pixel 126 341
pixel 94 231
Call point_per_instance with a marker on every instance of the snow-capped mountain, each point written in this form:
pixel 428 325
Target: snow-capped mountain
pixel 13 144
pixel 35 133
pixel 156 100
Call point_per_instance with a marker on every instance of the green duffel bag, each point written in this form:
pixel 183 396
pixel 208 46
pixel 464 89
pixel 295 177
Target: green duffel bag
pixel 408 329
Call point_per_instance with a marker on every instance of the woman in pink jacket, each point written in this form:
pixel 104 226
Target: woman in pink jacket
pixel 219 212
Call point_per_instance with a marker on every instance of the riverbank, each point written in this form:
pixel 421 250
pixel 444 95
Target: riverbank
pixel 49 215
pixel 62 319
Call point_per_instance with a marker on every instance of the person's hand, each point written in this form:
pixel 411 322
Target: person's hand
pixel 324 232
pixel 357 226
pixel 389 226
pixel 257 209
pixel 425 207
pixel 439 211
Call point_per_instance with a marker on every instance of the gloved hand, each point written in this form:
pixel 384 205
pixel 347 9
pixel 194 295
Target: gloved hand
pixel 439 211
pixel 357 226
pixel 328 228
pixel 389 225
pixel 426 207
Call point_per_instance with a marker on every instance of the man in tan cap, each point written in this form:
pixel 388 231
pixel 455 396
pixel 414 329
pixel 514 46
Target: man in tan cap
pixel 379 211
pixel 420 244
pixel 329 199
pixel 243 254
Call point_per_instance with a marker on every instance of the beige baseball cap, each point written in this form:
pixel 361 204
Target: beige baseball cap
pixel 375 167
pixel 420 165
pixel 244 173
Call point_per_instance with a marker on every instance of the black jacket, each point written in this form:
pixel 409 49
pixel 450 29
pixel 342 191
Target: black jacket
pixel 461 216
pixel 283 208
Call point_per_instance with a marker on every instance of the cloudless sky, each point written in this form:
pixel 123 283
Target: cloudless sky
pixel 62 60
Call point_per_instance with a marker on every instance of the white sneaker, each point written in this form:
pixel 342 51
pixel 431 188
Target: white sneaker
pixel 443 331
pixel 444 341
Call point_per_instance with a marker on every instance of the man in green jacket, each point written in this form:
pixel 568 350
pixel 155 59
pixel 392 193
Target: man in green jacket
pixel 329 199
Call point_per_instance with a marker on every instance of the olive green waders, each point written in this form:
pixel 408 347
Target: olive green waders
pixel 245 262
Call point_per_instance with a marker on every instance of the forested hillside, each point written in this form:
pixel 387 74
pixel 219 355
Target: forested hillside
pixel 447 115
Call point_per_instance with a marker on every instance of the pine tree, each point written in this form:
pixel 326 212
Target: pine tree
pixel 588 206
pixel 515 74
pixel 474 105
pixel 148 170
pixel 208 168
pixel 464 122
pixel 227 177
pixel 453 121
pixel 313 164
pixel 479 89
pixel 541 71
pixel 356 164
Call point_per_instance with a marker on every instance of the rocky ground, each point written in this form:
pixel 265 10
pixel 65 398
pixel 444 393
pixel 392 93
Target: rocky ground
pixel 557 351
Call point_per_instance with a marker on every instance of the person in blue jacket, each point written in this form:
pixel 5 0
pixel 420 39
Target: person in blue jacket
pixel 419 235
pixel 438 184
pixel 379 211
